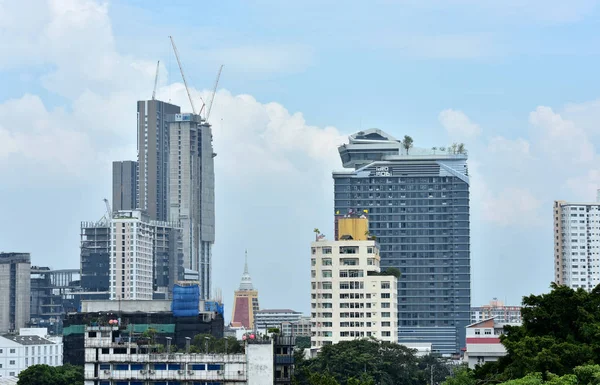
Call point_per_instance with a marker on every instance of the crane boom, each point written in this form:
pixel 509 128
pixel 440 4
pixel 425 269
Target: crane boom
pixel 212 98
pixel 155 81
pixel 182 75
pixel 108 209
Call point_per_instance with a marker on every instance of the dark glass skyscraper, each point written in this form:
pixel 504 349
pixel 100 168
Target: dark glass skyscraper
pixel 418 208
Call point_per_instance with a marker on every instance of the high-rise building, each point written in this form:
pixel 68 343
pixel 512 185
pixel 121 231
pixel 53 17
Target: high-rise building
pixel 576 234
pixel 192 192
pixel 95 259
pixel 15 285
pixel 153 157
pixel 418 206
pixel 137 241
pixel 245 301
pixel 350 298
pixel 498 311
pixel 124 185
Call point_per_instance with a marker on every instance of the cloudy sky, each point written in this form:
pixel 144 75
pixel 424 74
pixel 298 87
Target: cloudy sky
pixel 516 81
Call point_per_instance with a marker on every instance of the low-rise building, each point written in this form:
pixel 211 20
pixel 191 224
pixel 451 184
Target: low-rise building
pixel 112 358
pixel 300 328
pixel 30 347
pixel 483 342
pixel 497 310
pixel 273 318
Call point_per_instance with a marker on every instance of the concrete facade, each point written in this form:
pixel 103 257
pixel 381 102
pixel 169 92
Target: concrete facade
pixel 153 157
pixel 576 241
pixel 192 192
pixel 483 342
pixel 110 359
pixel 497 310
pixel 418 208
pixel 273 318
pixel 15 288
pixel 95 258
pixel 124 185
pixel 348 299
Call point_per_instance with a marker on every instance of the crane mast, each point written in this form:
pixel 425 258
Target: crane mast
pixel 212 98
pixel 155 81
pixel 108 209
pixel 182 74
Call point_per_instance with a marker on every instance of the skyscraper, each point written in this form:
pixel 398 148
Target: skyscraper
pixel 576 234
pixel 153 157
pixel 124 185
pixel 418 207
pixel 15 286
pixel 192 192
pixel 245 301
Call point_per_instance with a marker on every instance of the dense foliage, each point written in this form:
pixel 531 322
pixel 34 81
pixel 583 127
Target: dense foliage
pixel 202 342
pixel 51 375
pixel 367 362
pixel 559 336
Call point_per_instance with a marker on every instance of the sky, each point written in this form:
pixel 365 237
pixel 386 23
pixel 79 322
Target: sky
pixel 516 81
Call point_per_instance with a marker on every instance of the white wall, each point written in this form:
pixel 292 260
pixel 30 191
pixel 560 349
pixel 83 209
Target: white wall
pixel 260 364
pixel 15 357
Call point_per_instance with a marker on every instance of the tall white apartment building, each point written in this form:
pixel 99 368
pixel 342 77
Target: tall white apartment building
pixel 349 297
pixel 577 244
pixel 132 254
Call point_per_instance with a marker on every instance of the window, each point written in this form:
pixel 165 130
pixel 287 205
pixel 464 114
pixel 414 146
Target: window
pixel 385 305
pixel 174 367
pixel 313 262
pixel 326 261
pixel 386 334
pixel 104 366
pixel 12 351
pixel 385 295
pixel 385 324
pixel 385 284
pixel 488 331
pixel 12 374
pixel 477 332
pixel 313 273
pixel 327 286
pixel 314 250
pixel 198 367
pixel 326 273
pixel 370 250
pixel 327 250
pixel 12 362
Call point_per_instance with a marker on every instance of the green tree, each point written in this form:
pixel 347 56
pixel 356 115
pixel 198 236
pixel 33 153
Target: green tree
pixel 202 342
pixel 392 271
pixel 51 375
pixel 407 143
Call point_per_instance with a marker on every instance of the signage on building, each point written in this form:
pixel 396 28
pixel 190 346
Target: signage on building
pixel 183 117
pixel 382 171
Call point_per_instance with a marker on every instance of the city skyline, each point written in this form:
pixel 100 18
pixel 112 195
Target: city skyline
pixel 62 122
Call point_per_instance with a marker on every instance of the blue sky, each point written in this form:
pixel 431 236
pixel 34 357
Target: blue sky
pixel 516 81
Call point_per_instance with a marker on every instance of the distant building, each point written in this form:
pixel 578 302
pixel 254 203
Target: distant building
pixel 124 185
pixel 273 318
pixel 349 297
pixel 137 317
pixel 418 206
pixel 95 259
pixel 300 328
pixel 575 241
pixel 15 285
pixel 192 192
pixel 245 301
pixel 153 157
pixel 18 352
pixel 138 241
pixel 111 357
pixel 497 310
pixel 53 294
pixel 483 342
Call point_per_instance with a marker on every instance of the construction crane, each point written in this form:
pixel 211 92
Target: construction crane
pixel 108 209
pixel 182 75
pixel 155 81
pixel 212 98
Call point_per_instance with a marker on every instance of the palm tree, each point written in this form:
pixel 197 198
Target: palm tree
pixel 453 148
pixel 407 143
pixel 461 148
pixel 442 149
pixel 317 233
pixel 434 149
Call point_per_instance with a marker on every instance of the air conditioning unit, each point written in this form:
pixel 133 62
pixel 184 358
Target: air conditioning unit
pixel 190 372
pixel 107 372
pixel 143 372
pixel 240 372
pixel 221 372
pixel 181 371
pixel 151 371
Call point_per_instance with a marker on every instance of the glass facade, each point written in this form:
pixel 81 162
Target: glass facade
pixel 418 208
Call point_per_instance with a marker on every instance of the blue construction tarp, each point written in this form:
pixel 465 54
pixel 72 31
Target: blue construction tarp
pixel 186 301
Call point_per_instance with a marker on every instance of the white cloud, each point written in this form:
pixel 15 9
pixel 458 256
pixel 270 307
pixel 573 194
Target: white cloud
pixel 561 139
pixel 458 125
pixel 518 148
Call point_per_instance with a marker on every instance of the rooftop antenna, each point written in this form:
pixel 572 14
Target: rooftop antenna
pixel 155 81
pixel 212 98
pixel 182 74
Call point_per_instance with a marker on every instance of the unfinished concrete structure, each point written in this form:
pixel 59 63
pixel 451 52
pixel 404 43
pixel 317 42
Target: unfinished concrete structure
pixel 15 284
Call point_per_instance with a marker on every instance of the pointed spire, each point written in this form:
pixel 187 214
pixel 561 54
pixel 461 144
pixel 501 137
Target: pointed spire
pixel 246 283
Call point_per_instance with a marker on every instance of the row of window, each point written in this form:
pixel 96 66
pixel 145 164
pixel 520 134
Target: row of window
pixel 157 383
pixel 134 367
